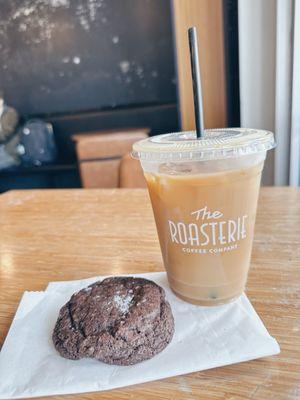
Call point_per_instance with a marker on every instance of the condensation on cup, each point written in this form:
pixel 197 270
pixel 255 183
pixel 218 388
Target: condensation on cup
pixel 204 196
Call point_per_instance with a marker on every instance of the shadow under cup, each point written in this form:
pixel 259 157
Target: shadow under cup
pixel 204 200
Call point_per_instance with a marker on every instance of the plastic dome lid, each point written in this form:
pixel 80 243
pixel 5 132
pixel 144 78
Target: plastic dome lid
pixel 215 144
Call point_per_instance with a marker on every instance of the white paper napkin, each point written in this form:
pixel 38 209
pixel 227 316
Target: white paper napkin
pixel 204 338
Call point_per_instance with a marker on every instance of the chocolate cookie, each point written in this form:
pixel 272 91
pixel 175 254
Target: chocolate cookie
pixel 121 320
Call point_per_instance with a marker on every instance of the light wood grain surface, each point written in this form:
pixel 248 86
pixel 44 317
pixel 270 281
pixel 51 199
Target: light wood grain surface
pixel 72 234
pixel 207 16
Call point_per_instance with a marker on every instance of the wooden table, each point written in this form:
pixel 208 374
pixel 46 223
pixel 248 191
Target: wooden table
pixel 70 234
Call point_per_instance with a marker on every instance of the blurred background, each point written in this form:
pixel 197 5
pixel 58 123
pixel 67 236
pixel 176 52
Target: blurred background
pixel 81 80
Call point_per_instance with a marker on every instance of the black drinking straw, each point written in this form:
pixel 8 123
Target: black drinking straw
pixel 198 104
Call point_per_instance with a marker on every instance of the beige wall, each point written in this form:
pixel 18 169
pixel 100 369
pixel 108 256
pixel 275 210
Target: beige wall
pixel 257 41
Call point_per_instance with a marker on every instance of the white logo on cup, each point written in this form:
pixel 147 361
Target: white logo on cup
pixel 208 230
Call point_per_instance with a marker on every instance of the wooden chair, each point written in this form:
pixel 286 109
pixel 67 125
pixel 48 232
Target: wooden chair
pixel 100 153
pixel 131 173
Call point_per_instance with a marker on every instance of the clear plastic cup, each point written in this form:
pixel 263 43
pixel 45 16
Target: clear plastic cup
pixel 204 196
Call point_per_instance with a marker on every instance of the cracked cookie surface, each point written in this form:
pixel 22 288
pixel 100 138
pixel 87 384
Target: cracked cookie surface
pixel 120 320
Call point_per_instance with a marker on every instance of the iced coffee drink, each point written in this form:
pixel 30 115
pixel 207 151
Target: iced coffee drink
pixel 204 195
